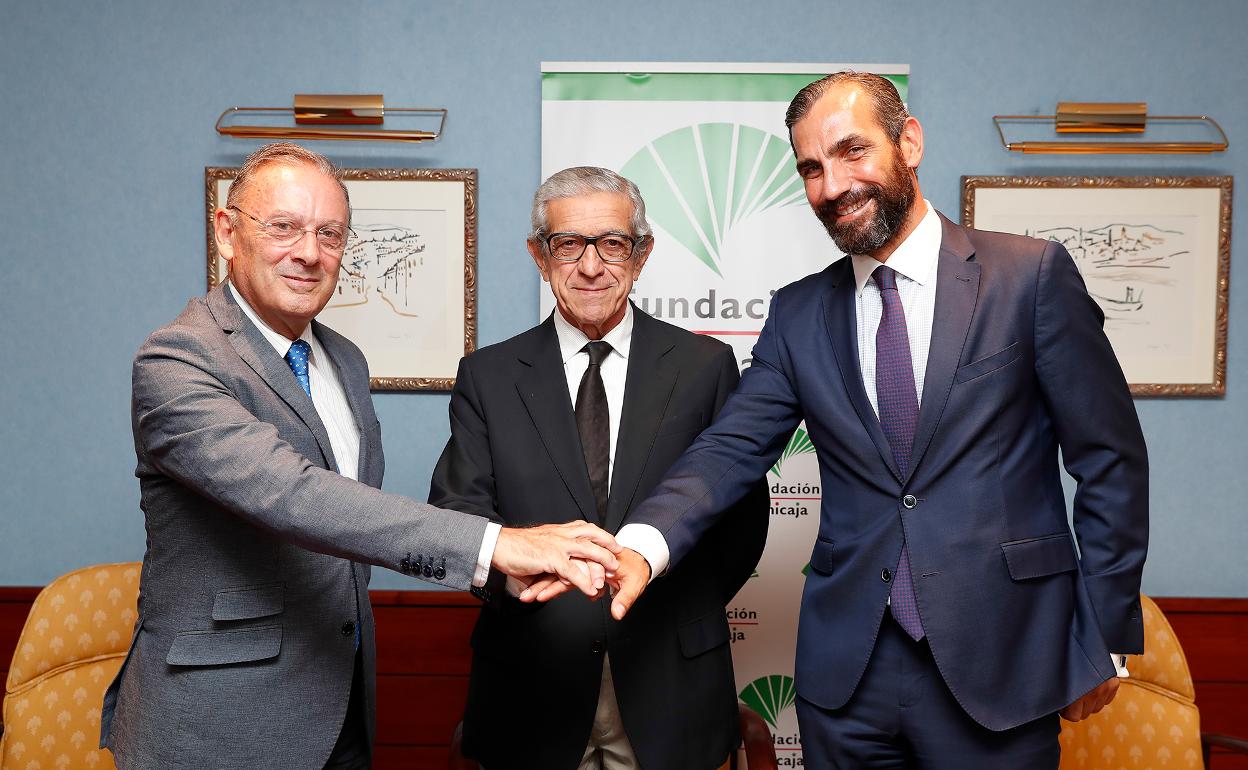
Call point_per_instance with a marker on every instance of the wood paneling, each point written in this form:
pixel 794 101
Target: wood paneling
pixel 423 661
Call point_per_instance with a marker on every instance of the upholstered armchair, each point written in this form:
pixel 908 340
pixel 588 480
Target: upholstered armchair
pixel 1153 722
pixel 71 647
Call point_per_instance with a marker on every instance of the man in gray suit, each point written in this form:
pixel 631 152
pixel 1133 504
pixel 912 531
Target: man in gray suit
pixel 259 476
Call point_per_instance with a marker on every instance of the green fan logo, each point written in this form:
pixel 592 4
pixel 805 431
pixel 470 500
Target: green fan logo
pixel 770 696
pixel 698 181
pixel 799 444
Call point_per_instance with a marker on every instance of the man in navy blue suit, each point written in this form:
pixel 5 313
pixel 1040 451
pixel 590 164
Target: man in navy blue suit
pixel 947 618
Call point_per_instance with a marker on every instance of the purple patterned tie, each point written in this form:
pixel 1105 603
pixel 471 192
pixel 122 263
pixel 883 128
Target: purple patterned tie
pixel 899 414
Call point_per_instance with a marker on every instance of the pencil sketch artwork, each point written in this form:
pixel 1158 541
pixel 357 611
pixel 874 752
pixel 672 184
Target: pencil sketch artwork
pixel 390 282
pixel 1138 271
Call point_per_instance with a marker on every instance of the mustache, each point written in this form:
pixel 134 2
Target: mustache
pixel 848 199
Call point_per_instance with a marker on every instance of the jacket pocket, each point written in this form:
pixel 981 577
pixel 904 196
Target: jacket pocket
pixel 250 602
pixel 703 634
pixel 821 557
pixel 219 648
pixel 1040 556
pixel 989 364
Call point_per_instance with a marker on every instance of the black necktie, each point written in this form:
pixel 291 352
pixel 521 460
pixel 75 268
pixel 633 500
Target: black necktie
pixel 593 422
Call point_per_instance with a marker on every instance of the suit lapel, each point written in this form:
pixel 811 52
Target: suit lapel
pixel 543 387
pixel 841 319
pixel 957 290
pixel 256 351
pixel 648 388
pixel 356 388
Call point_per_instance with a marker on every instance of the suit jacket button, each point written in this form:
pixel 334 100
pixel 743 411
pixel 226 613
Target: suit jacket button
pixel 909 501
pixel 348 629
pixel 596 647
pixel 886 575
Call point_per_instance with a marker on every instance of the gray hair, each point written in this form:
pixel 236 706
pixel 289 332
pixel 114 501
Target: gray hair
pixel 285 153
pixel 890 113
pixel 583 180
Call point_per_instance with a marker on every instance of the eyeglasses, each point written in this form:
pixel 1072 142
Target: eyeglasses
pixel 611 247
pixel 285 233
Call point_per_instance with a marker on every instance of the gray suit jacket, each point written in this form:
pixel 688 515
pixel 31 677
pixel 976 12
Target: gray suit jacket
pixel 256 568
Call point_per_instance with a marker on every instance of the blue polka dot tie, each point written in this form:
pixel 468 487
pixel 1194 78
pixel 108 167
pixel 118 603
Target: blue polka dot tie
pixel 297 357
pixel 899 415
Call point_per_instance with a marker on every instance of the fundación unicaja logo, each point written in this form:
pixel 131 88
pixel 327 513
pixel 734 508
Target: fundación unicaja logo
pixel 770 696
pixel 699 181
pixel 799 444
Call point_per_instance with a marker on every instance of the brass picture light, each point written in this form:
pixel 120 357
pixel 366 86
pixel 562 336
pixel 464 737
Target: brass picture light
pixel 1122 118
pixel 347 117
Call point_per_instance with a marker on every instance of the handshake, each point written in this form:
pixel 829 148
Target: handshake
pixel 551 559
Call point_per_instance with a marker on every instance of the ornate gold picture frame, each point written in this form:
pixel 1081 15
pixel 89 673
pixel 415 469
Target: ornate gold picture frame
pixel 407 288
pixel 1154 252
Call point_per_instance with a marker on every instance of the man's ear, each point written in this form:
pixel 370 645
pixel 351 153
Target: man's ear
pixel 641 254
pixel 911 142
pixel 535 251
pixel 223 231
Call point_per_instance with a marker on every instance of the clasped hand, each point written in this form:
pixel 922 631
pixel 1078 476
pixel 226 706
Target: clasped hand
pixel 575 554
pixel 626 581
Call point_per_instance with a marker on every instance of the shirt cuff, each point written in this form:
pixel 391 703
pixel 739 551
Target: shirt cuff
pixel 1120 663
pixel 482 573
pixel 647 541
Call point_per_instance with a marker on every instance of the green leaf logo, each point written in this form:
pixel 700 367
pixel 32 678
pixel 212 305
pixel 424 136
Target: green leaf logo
pixel 769 696
pixel 698 181
pixel 799 444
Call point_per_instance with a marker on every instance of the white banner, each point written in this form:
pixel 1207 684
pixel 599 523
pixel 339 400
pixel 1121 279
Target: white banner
pixel 707 146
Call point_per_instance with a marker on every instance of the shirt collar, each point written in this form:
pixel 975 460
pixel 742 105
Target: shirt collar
pixel 276 339
pixel 572 339
pixel 915 257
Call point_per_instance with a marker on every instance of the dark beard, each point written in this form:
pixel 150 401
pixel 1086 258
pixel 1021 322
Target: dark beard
pixel 892 204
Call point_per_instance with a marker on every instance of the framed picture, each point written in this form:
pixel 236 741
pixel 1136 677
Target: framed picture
pixel 407 288
pixel 1154 252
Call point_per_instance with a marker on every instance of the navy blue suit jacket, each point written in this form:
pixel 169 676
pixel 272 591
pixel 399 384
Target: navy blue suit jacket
pixel 1020 624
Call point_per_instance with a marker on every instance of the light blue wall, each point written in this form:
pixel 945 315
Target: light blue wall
pixel 106 113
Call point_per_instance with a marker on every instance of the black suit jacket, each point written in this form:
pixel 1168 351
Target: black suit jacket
pixel 514 455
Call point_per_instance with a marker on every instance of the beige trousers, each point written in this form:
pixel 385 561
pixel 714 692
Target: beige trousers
pixel 608 747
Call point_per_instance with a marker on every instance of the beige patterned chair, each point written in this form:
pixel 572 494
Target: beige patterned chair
pixel 1153 723
pixel 71 647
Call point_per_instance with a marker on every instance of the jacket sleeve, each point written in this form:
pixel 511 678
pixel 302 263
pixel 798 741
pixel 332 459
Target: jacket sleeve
pixel 730 457
pixel 191 428
pixel 739 537
pixel 1102 446
pixel 463 479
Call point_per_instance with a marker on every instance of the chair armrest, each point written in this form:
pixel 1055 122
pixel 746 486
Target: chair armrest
pixel 760 750
pixel 1209 740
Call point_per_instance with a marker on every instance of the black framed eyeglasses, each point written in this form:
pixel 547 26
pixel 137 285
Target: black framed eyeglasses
pixel 611 247
pixel 285 234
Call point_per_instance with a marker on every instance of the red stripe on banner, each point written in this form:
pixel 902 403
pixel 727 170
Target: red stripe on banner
pixel 720 333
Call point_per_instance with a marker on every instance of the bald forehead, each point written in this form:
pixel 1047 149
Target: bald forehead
pixel 283 180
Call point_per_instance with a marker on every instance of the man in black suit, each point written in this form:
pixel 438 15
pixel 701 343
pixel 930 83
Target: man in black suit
pixel 581 416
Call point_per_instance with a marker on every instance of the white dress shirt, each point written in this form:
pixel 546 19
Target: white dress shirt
pixel 914 261
pixel 330 401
